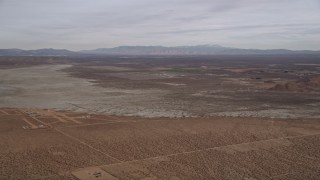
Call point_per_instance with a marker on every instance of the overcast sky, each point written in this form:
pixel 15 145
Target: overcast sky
pixel 90 24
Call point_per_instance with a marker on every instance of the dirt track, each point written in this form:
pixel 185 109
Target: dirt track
pixel 138 148
pixel 177 118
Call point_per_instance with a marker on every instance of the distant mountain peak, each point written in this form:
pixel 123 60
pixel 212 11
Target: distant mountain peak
pixel 205 49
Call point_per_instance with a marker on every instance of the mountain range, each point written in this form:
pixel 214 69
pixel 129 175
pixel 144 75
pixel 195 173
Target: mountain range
pixel 153 50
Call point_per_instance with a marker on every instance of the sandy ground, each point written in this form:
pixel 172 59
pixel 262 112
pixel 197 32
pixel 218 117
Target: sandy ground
pixel 71 145
pixel 155 120
pixel 157 94
pixel 46 87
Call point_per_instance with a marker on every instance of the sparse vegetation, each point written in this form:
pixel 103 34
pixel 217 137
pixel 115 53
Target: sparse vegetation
pixel 188 118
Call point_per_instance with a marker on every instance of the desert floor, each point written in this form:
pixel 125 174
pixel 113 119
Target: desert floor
pixel 221 117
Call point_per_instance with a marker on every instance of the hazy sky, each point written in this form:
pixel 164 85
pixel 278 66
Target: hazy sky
pixel 89 24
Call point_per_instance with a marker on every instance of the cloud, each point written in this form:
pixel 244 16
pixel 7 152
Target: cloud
pixel 244 27
pixel 78 24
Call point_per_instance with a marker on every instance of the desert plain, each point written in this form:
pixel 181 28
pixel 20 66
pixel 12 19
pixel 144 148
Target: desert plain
pixel 202 117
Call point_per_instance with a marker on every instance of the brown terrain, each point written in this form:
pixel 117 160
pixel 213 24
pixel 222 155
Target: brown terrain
pixel 47 144
pixel 209 117
pixel 309 84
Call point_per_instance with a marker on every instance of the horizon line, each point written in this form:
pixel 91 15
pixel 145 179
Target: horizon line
pixel 159 46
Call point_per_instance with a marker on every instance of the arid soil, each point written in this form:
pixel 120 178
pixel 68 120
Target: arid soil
pixel 215 117
pixel 47 144
pixel 302 85
pixel 249 86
